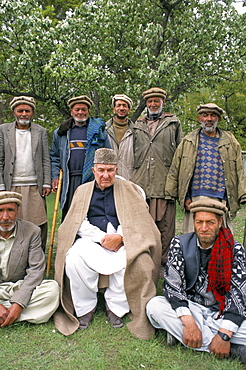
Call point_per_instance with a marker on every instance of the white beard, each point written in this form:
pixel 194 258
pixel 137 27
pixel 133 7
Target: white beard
pixel 24 122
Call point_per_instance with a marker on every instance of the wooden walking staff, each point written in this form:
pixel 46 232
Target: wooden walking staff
pixel 52 233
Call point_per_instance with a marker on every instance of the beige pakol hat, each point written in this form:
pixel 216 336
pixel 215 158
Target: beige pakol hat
pixel 154 91
pixel 210 107
pixel 10 197
pixel 123 97
pixel 80 99
pixel 22 100
pixel 105 156
pixel 208 205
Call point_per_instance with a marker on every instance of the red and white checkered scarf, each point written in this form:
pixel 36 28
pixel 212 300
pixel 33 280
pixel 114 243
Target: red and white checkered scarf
pixel 220 266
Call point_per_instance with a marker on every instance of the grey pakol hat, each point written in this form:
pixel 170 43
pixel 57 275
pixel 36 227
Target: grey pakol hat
pixel 22 100
pixel 154 92
pixel 79 100
pixel 105 156
pixel 210 107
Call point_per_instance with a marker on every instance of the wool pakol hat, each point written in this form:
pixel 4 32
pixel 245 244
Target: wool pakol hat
pixel 210 108
pixel 22 100
pixel 105 156
pixel 154 91
pixel 10 197
pixel 80 99
pixel 122 97
pixel 208 205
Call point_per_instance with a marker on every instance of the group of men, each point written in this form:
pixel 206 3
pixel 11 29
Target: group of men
pixel 116 233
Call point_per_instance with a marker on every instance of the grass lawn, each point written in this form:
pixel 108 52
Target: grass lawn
pixel 27 346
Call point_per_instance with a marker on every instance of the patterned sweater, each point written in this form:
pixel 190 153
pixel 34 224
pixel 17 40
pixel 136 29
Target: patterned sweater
pixel 208 178
pixel 175 283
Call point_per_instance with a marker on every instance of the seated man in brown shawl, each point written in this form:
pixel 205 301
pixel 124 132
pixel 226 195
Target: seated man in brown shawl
pixel 107 233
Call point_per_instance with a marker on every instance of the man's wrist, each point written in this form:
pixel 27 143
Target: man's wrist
pixel 187 320
pixel 224 336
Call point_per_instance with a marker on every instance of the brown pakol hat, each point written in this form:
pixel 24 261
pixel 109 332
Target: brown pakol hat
pixel 105 156
pixel 10 197
pixel 208 205
pixel 22 100
pixel 154 91
pixel 80 99
pixel 210 107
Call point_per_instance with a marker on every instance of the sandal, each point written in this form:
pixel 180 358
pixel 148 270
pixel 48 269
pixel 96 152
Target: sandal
pixel 114 320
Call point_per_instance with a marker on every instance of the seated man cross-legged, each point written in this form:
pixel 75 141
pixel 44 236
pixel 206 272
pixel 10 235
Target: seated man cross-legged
pixel 107 233
pixel 24 296
pixel 204 303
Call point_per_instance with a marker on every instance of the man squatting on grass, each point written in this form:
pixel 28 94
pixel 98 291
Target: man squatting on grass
pixel 204 303
pixel 24 296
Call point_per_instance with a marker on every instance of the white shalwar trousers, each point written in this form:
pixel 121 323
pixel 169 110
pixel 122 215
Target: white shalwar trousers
pixel 43 303
pixel 162 316
pixel 85 260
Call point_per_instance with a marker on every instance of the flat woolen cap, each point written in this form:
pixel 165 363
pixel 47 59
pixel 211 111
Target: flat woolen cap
pixel 123 97
pixel 210 108
pixel 208 205
pixel 154 91
pixel 78 100
pixel 10 197
pixel 105 156
pixel 22 100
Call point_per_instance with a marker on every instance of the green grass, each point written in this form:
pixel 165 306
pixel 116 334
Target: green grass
pixel 27 346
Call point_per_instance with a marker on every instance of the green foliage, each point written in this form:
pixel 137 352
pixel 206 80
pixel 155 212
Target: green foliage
pixel 58 8
pixel 102 47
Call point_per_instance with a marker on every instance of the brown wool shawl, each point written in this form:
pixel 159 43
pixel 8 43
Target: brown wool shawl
pixel 143 250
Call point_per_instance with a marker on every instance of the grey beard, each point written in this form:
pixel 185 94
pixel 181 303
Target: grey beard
pixel 208 129
pixel 24 122
pixel 155 114
pixel 80 120
pixel 9 228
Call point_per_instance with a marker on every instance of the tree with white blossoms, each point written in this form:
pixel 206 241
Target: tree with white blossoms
pixel 102 47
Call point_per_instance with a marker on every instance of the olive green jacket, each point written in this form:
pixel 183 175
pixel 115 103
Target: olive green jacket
pixel 153 155
pixel 184 162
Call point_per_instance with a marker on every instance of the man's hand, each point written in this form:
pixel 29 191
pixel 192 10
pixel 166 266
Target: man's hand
pixel 46 192
pixel 220 347
pixel 112 242
pixel 192 335
pixel 3 314
pixel 187 204
pixel 54 185
pixel 13 313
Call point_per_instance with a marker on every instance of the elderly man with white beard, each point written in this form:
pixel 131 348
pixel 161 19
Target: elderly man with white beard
pixel 207 163
pixel 25 162
pixel 155 139
pixel 24 295
pixel 108 234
